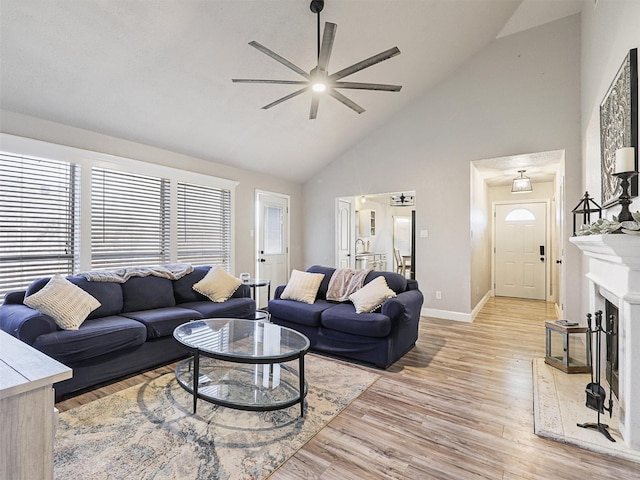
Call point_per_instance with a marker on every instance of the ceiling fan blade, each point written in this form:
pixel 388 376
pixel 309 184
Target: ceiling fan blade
pixel 327 45
pixel 387 54
pixel 367 86
pixel 349 103
pixel 279 82
pixel 315 101
pixel 279 101
pixel 278 58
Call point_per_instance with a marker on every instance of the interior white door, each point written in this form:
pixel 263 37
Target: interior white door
pixel 343 234
pixel 272 242
pixel 520 250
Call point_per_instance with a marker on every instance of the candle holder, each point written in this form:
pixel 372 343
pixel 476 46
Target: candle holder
pixel 625 199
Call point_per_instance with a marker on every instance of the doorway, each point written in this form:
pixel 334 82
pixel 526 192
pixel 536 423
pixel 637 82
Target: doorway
pixel 272 241
pixel 520 250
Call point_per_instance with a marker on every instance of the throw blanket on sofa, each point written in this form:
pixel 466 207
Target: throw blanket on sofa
pixel 172 271
pixel 344 282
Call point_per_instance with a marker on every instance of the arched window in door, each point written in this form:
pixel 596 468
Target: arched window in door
pixel 519 215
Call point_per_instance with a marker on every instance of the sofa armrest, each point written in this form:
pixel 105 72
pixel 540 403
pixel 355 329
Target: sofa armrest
pixel 406 306
pixel 278 291
pixel 25 323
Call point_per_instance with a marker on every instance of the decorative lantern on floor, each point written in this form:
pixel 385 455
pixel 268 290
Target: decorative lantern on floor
pixel 568 347
pixel 585 208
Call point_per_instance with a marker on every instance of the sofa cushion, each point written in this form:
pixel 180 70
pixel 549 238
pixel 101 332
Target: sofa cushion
pixel 161 322
pixel 147 293
pixel 343 318
pixel 243 307
pixel 302 286
pixel 63 301
pixel 183 287
pixel 93 338
pixel 297 312
pixel 324 286
pixel 218 285
pixel 395 281
pixel 371 296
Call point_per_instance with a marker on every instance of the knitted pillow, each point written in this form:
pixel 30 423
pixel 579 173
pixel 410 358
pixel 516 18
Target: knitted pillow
pixel 67 304
pixel 372 295
pixel 217 285
pixel 302 286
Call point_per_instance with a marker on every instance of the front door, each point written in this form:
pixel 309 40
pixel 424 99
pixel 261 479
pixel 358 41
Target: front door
pixel 520 250
pixel 272 242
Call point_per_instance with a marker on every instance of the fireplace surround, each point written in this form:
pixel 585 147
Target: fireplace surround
pixel 614 276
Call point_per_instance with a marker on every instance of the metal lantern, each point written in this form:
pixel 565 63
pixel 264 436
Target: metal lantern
pixel 585 208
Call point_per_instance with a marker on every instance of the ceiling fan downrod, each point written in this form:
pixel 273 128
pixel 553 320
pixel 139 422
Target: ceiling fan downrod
pixel 316 7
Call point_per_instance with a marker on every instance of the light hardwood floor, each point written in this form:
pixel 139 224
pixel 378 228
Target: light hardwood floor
pixel 458 406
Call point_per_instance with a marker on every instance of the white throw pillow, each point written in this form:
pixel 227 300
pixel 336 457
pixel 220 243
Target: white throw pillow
pixel 302 286
pixel 372 295
pixel 217 285
pixel 66 303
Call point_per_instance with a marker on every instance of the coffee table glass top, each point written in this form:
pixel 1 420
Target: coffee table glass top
pixel 241 339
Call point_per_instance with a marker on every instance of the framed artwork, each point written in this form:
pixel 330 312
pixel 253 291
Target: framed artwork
pixel 619 127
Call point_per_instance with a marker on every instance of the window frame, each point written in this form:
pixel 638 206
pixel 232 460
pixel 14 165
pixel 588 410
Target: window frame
pixel 87 159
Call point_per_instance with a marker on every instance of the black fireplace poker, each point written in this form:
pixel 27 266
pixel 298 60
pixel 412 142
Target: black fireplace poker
pixel 596 394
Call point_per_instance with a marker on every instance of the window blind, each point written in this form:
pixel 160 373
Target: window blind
pixel 37 220
pixel 204 225
pixel 129 219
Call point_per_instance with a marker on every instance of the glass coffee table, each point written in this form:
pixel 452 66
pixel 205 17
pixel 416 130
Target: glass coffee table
pixel 241 364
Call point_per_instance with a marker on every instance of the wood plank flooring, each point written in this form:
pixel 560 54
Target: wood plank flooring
pixel 458 406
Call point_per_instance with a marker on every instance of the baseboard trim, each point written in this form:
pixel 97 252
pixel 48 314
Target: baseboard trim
pixel 480 304
pixel 446 315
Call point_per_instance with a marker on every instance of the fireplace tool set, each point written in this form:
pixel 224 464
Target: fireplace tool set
pixel 596 395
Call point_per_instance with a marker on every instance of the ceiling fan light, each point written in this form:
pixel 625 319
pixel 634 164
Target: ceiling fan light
pixel 521 184
pixel 319 87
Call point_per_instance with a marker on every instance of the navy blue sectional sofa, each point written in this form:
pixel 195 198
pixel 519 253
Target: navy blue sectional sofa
pixel 379 338
pixel 131 331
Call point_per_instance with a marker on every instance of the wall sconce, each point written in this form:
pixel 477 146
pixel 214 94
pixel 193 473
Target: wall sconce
pixel 521 184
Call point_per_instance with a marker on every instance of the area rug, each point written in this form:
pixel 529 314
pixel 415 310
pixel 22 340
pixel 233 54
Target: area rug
pixel 149 432
pixel 559 405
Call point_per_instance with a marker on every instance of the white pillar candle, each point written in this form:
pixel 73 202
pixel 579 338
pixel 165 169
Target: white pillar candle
pixel 625 160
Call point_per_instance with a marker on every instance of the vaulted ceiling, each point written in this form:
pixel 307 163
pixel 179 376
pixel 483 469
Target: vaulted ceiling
pixel 159 72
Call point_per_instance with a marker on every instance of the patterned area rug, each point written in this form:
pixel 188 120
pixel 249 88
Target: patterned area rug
pixel 149 432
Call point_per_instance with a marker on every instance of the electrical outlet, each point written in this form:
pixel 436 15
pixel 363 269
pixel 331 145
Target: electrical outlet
pixel 438 295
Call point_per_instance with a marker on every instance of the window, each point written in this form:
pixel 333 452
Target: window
pixel 204 225
pixel 273 229
pixel 37 220
pixel 129 219
pixel 519 215
pixel 65 210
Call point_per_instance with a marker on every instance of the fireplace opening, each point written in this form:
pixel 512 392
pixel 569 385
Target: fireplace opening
pixel 611 316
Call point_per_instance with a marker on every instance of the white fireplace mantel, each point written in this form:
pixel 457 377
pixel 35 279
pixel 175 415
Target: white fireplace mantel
pixel 614 275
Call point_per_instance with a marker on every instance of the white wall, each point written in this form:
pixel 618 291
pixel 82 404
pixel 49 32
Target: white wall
pixel 519 94
pixel 24 126
pixel 480 239
pixel 609 31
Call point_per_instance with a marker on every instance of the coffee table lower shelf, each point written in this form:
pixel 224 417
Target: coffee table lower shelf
pixel 256 387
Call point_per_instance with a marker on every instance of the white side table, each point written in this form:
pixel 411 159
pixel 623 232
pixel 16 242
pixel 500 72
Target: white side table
pixel 27 409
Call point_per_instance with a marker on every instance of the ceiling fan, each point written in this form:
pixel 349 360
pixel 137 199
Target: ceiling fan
pixel 318 80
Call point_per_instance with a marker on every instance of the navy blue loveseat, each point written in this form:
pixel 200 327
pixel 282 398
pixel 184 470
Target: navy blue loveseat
pixel 131 331
pixel 379 338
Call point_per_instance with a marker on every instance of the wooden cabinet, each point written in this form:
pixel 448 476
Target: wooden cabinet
pixel 27 409
pixel 367 223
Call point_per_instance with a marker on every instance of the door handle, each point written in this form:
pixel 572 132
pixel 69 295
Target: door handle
pixel 542 259
pixel 558 261
pixel 262 260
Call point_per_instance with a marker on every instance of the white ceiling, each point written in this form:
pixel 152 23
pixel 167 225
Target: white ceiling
pixel 159 72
